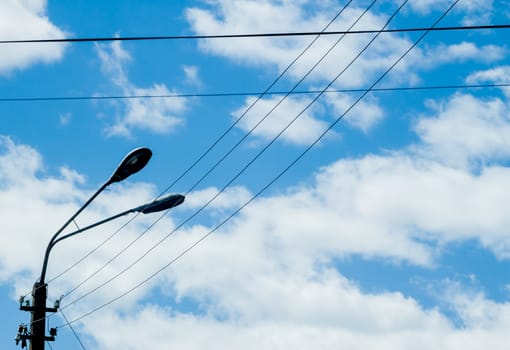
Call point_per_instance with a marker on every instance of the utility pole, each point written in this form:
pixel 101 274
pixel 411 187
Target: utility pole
pixel 37 334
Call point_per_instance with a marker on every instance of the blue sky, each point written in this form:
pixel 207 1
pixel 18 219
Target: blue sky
pixel 390 233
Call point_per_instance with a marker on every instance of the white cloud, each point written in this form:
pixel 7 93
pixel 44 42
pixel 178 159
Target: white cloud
pixel 455 53
pixel 352 319
pixel 497 75
pixel 475 11
pixel 472 307
pixel 159 115
pixel 430 57
pixel 271 283
pixel 467 129
pixel 65 118
pixel 251 16
pixel 302 132
pixel 232 197
pixel 358 321
pixel 248 17
pixel 365 115
pixel 380 207
pixel 27 20
pixel 18 175
pixel 191 73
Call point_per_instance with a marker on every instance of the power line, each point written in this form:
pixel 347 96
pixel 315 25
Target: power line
pixel 253 93
pixel 266 91
pixel 237 175
pixel 193 164
pixel 259 35
pixel 72 329
pixel 203 155
pixel 288 94
pixel 245 94
pixel 332 125
pixel 211 147
pixel 254 35
pixel 92 251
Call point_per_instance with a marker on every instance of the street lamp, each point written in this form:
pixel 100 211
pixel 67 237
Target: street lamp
pixel 130 165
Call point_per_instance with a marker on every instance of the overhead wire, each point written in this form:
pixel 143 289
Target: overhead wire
pixel 197 160
pixel 302 154
pixel 76 263
pixel 259 97
pixel 237 175
pixel 231 149
pixel 72 330
pixel 250 35
pixel 92 251
pixel 242 115
pixel 252 93
pixel 388 89
pixel 307 74
pixel 400 30
pixel 380 78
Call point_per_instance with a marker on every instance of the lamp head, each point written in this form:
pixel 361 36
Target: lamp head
pixel 132 163
pixel 164 203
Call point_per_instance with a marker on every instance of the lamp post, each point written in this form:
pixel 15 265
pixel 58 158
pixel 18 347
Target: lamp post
pixel 131 164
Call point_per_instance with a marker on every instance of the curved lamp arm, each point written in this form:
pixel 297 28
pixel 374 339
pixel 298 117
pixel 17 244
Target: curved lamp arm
pixel 132 163
pixel 152 207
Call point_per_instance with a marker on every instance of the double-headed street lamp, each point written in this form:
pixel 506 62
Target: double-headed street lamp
pixel 131 164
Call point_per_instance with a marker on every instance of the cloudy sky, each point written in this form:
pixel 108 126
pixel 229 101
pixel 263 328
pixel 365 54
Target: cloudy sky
pixel 369 209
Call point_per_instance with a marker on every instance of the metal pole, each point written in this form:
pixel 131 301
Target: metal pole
pixel 38 318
